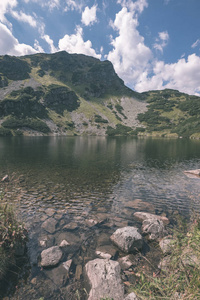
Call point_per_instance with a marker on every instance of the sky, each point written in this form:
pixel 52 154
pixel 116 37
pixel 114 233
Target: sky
pixel 152 44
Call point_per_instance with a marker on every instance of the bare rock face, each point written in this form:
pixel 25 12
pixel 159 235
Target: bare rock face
pixel 154 228
pixel 128 239
pixel 51 256
pixel 104 278
pixel 141 216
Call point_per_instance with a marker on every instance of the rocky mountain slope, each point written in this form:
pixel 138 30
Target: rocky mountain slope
pixel 74 94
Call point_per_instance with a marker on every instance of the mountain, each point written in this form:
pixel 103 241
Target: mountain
pixel 74 94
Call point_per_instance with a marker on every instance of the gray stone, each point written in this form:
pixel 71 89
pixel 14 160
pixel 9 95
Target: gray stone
pixel 154 228
pixel 189 258
pixel 141 216
pixel 107 251
pixel 51 256
pixel 125 262
pixel 5 178
pixel 50 212
pixel 166 245
pixel 164 264
pixel 71 226
pixel 104 278
pixel 131 296
pixel 67 264
pixel 58 275
pixel 195 173
pixel 50 225
pixel 128 239
pixel 64 244
pixel 140 205
pixel 79 272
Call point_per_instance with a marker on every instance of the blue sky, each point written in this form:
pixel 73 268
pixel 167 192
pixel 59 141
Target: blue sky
pixel 153 44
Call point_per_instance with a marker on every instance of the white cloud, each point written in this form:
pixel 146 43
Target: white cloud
pixel 74 5
pixel 129 56
pixel 89 15
pixel 49 41
pixel 183 75
pixel 196 43
pixel 6 6
pixel 75 44
pixel 136 6
pixel 21 16
pixel 37 47
pixel 51 4
pixel 162 41
pixel 10 45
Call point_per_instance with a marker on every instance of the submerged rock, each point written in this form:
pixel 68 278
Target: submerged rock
pixel 107 251
pixel 5 178
pixel 51 256
pixel 128 239
pixel 58 275
pixel 104 278
pixel 154 228
pixel 141 216
pixel 195 173
pixel 50 225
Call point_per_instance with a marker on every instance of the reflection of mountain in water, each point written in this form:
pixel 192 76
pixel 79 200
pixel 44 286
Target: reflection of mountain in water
pixel 95 171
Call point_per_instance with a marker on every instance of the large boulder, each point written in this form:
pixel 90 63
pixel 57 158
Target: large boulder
pixel 51 256
pixel 104 278
pixel 154 228
pixel 141 216
pixel 128 239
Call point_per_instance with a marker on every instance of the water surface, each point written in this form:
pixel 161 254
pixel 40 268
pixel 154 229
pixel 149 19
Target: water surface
pixel 83 178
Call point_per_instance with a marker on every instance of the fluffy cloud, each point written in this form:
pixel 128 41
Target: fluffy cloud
pixel 75 44
pixel 89 15
pixel 161 41
pixel 10 45
pixel 129 56
pixel 74 5
pixel 49 41
pixel 183 75
pixel 21 16
pixel 136 6
pixel 6 6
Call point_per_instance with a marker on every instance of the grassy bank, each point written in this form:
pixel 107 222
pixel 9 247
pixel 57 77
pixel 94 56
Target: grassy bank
pixel 13 236
pixel 180 277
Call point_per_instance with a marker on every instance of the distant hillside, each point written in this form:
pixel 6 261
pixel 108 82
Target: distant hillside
pixel 171 113
pixel 74 94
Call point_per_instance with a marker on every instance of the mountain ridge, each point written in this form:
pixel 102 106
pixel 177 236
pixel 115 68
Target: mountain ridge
pixel 75 94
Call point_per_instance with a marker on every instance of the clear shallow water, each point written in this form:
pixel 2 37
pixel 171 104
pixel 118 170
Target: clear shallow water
pixel 95 177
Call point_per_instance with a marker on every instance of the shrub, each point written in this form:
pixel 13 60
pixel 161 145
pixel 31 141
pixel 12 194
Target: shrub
pixel 12 234
pixel 5 132
pixel 34 124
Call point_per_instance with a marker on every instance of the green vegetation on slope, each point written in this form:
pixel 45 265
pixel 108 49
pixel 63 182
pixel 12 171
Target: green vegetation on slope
pixel 171 111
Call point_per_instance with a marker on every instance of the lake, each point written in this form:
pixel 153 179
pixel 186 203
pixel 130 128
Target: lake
pixel 84 179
